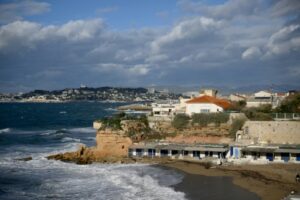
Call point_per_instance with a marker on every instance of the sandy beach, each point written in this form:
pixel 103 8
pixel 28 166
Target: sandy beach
pixel 268 182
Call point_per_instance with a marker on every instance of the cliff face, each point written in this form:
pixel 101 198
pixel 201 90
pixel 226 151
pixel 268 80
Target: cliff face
pixel 110 143
pixel 112 146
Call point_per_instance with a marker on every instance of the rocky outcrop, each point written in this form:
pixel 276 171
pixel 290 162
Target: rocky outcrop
pixel 112 147
pixel 112 143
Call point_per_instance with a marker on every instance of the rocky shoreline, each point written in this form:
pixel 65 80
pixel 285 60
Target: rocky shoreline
pixel 273 181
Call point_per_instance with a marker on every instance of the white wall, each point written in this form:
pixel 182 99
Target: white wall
pixel 192 108
pixel 274 132
pixel 262 94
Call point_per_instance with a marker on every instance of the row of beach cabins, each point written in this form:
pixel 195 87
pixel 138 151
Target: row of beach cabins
pixel 221 152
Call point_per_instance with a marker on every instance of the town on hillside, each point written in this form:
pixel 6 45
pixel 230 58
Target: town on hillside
pixel 259 128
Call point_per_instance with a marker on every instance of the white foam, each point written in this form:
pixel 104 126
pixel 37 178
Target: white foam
pixel 83 130
pixel 5 130
pixel 110 109
pixel 69 139
pixel 97 181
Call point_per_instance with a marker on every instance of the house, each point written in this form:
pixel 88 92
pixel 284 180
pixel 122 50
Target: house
pixel 208 92
pixel 164 108
pixel 237 97
pixel 180 151
pixel 206 104
pixel 265 98
pixel 276 153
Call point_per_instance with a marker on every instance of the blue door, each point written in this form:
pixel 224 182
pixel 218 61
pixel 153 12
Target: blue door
pixel 164 153
pixel 285 157
pixel 236 153
pixel 196 154
pixel 298 156
pixel 151 152
pixel 139 152
pixel 231 151
pixel 270 156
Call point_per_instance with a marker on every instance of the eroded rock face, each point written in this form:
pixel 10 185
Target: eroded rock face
pixel 112 144
pixel 112 147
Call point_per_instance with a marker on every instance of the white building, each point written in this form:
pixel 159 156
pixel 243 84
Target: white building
pixel 164 108
pixel 264 98
pixel 206 104
pixel 208 92
pixel 237 97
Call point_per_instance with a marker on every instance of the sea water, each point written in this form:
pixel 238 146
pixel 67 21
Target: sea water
pixel 38 130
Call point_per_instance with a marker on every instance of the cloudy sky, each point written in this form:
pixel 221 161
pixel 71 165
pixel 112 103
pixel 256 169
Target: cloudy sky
pixel 59 44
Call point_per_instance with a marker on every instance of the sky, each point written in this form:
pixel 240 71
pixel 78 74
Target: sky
pixel 132 43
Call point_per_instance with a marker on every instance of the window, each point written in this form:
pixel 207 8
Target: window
pixel 204 110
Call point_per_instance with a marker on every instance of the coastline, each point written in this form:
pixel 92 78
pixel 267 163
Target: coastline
pixel 268 182
pixel 196 187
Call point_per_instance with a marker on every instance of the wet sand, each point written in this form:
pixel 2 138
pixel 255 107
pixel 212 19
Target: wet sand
pixel 213 188
pixel 268 182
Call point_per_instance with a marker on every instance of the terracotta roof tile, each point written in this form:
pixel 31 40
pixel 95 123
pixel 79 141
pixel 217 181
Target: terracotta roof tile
pixel 209 99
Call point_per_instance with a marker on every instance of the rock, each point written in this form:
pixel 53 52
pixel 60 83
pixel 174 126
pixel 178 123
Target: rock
pixel 25 159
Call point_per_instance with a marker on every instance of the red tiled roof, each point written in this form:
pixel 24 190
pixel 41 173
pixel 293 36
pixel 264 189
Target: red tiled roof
pixel 208 99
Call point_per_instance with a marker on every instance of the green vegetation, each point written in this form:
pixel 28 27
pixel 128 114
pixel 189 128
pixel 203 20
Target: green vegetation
pixel 238 106
pixel 235 126
pixel 290 105
pixel 180 121
pixel 114 122
pixel 262 113
pixel 204 119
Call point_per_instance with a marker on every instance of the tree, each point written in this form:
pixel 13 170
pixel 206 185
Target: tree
pixel 256 114
pixel 180 121
pixel 290 105
pixel 238 106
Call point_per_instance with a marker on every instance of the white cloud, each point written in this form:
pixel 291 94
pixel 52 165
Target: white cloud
pixel 284 41
pixel 228 10
pixel 80 29
pixel 156 58
pixel 286 7
pixel 187 30
pixel 15 11
pixel 28 34
pixel 140 69
pixel 251 53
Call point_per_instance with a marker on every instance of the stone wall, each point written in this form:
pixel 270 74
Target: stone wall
pixel 270 132
pixel 112 143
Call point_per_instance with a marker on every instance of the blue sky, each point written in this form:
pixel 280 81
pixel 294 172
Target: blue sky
pixel 117 14
pixel 58 44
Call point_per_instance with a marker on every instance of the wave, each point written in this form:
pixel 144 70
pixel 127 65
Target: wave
pixel 82 130
pixel 69 139
pixel 95 181
pixel 5 130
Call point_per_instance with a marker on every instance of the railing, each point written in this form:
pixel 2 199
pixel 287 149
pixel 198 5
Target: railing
pixel 286 116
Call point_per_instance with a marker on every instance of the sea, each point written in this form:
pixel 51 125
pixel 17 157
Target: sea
pixel 38 130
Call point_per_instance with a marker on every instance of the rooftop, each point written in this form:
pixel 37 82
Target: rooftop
pixel 209 99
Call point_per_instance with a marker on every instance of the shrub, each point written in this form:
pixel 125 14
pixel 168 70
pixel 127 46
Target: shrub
pixel 290 105
pixel 238 106
pixel 255 114
pixel 205 118
pixel 112 122
pixel 235 126
pixel 180 121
